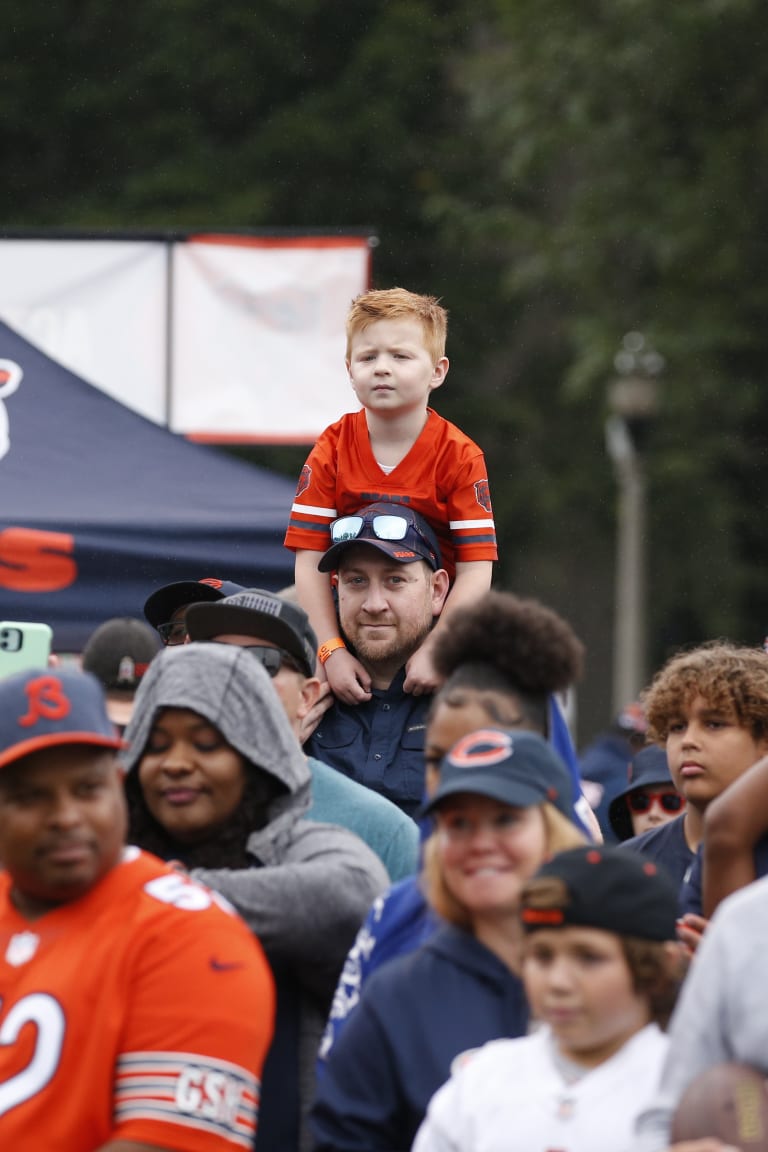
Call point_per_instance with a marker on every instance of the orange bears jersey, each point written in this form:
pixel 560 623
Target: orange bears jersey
pixel 443 477
pixel 142 1011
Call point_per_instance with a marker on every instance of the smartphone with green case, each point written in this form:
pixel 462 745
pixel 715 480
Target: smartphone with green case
pixel 23 645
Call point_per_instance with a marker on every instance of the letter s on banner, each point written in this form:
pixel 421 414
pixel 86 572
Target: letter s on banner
pixel 36 561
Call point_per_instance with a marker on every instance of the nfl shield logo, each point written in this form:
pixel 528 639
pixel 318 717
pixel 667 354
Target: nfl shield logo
pixel 21 948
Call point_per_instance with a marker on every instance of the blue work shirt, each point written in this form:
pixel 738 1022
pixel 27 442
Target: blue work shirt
pixel 379 743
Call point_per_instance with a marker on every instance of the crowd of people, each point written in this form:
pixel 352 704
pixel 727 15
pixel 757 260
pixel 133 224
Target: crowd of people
pixel 319 870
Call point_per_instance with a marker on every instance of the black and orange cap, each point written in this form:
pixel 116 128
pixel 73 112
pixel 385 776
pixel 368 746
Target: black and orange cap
pixel 160 606
pixel 606 887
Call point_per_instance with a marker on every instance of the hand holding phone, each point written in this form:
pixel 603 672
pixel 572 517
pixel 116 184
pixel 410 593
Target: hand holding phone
pixel 24 645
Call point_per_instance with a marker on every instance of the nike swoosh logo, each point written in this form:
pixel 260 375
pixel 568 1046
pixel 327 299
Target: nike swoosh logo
pixel 224 965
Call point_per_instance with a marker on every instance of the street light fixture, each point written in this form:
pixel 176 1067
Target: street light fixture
pixel 633 402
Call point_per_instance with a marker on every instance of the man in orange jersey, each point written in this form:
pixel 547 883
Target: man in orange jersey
pixel 135 1008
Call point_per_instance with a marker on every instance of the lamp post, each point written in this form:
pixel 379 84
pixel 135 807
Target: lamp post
pixel 632 400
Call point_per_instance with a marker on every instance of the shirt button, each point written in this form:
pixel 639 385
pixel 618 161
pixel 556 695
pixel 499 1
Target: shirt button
pixel 386 707
pixel 377 755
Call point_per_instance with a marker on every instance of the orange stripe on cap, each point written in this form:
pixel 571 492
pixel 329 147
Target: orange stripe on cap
pixel 542 916
pixel 52 739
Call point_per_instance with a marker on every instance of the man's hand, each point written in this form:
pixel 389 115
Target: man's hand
pixel 347 678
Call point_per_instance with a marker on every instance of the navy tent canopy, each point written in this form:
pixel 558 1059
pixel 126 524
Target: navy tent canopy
pixel 99 506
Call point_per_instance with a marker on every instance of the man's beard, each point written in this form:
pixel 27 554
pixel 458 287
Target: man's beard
pixel 400 645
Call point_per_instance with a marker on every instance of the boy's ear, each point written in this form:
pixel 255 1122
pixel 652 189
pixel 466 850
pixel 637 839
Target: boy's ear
pixel 439 373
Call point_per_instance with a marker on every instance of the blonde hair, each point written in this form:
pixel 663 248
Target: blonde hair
pixel 398 304
pixel 560 834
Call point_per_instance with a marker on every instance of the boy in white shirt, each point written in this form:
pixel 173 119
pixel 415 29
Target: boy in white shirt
pixel 601 970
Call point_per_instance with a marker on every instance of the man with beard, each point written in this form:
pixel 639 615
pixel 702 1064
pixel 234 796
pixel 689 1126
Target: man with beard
pixel 390 592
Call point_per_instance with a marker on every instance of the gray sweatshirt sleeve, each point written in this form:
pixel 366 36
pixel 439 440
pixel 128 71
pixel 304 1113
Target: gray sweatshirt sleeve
pixel 307 907
pixel 703 1026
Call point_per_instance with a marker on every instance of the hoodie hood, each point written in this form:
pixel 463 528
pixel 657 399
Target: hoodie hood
pixel 231 690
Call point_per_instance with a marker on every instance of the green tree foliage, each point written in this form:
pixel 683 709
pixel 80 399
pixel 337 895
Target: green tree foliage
pixel 630 192
pixel 558 173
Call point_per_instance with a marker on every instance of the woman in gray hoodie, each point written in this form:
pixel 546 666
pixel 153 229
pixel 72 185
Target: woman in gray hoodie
pixel 217 781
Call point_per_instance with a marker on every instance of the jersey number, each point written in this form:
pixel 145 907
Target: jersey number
pixel 47 1016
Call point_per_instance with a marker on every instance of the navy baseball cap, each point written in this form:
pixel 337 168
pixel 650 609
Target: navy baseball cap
pixel 517 768
pixel 161 605
pixel 604 887
pixel 262 615
pixel 44 708
pixel 648 766
pixel 395 529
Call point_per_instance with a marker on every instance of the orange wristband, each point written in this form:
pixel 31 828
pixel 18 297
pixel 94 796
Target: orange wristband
pixel 330 646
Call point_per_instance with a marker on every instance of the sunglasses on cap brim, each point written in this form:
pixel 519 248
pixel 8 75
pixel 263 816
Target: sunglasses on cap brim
pixel 385 526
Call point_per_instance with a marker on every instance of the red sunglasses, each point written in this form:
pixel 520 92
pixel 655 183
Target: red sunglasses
pixel 639 802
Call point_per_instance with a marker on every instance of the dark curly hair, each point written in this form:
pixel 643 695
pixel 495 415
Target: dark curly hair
pixel 504 646
pixel 529 644
pixel 732 679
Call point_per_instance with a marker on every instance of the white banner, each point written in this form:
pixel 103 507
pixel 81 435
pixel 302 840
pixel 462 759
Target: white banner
pixel 96 306
pixel 260 348
pixel 253 347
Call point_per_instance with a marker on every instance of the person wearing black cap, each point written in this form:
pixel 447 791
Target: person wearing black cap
pixel 502 806
pixel 136 1010
pixel 166 607
pixel 278 633
pixel 601 970
pixel 650 798
pixel 390 593
pixel 118 654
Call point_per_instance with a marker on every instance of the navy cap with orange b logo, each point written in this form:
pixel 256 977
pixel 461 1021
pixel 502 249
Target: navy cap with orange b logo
pixel 40 709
